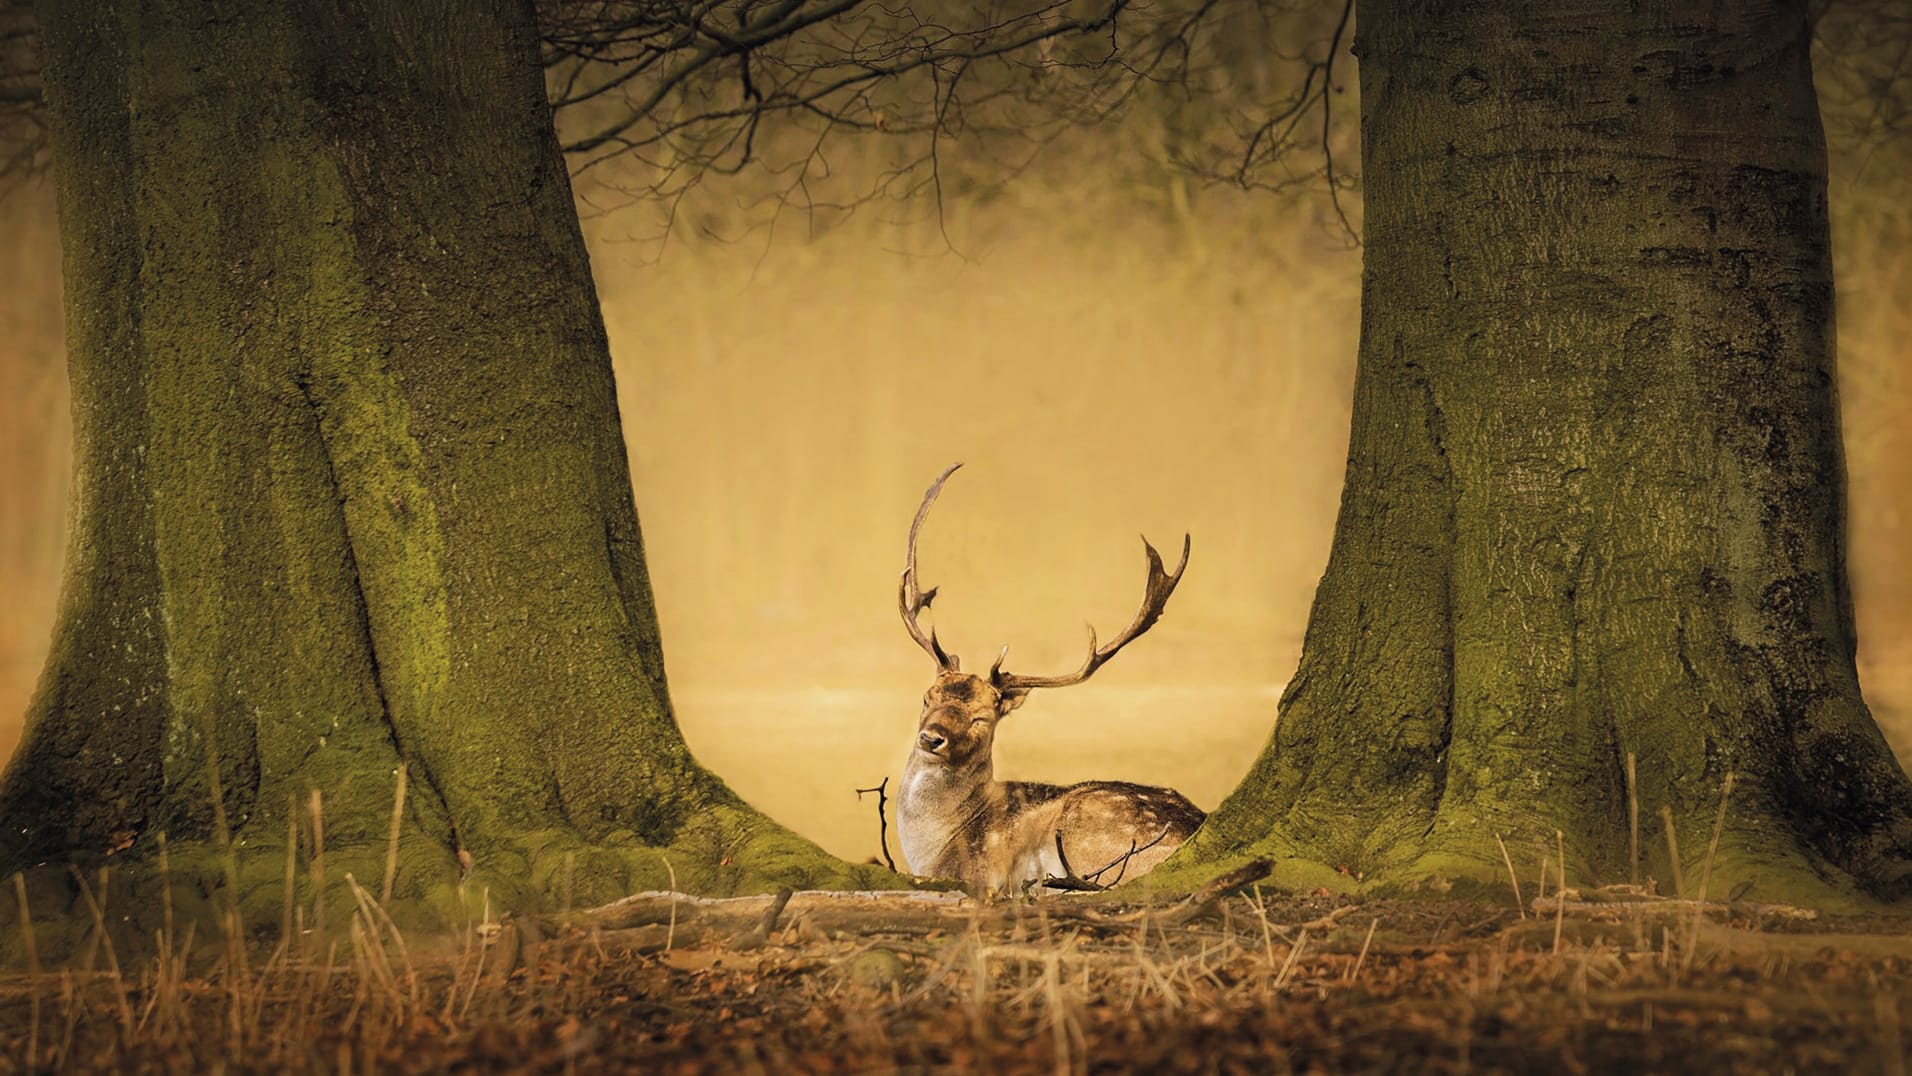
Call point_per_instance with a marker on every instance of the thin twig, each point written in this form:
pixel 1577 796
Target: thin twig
pixel 1327 123
pixel 33 967
pixel 1633 821
pixel 1294 954
pixel 1560 914
pixel 291 870
pixel 391 849
pixel 1673 850
pixel 1719 826
pixel 1354 973
pixel 1511 876
pixel 1123 859
pixel 670 935
pixel 882 819
pixel 318 862
pixel 98 913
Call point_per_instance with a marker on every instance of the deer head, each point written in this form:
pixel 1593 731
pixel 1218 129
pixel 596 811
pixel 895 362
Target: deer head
pixel 957 728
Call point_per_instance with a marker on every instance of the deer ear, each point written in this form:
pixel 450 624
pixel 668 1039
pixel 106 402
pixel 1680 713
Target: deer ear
pixel 1012 700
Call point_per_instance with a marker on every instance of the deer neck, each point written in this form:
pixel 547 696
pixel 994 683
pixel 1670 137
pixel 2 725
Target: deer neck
pixel 936 804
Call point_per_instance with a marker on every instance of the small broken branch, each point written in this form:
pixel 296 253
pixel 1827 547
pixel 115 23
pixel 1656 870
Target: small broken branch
pixel 1202 901
pixel 882 819
pixel 1123 859
pixel 1637 901
pixel 766 926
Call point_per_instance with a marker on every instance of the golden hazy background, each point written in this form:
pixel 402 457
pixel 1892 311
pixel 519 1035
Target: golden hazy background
pixel 1109 352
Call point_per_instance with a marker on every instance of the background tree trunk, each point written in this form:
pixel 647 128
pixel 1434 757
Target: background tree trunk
pixel 350 484
pixel 1594 490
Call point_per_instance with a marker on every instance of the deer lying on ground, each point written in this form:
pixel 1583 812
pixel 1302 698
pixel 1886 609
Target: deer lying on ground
pixel 957 821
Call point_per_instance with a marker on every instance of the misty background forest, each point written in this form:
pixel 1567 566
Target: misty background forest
pixel 1116 328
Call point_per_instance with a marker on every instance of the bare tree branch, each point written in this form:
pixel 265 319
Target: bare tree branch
pixel 1235 92
pixel 1001 81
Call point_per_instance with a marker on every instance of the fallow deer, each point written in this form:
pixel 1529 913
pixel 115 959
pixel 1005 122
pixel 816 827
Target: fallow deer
pixel 957 821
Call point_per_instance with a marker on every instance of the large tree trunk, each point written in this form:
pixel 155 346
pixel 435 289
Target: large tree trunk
pixel 350 483
pixel 1594 489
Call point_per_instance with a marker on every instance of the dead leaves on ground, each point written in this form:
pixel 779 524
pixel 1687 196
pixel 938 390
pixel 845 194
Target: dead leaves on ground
pixel 1261 983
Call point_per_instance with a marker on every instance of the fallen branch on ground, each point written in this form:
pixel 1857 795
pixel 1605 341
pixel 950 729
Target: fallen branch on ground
pixel 1638 900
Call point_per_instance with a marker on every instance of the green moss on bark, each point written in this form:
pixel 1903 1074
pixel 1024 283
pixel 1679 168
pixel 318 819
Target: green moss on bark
pixel 1594 487
pixel 352 486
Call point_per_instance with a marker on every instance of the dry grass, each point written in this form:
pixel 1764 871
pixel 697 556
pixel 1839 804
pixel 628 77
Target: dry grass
pixel 937 982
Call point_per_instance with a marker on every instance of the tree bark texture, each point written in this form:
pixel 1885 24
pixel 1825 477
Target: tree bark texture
pixel 1594 487
pixel 351 487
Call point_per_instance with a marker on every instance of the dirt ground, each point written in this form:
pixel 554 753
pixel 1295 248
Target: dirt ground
pixel 1252 981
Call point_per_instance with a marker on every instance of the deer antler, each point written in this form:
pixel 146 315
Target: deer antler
pixel 910 600
pixel 1154 599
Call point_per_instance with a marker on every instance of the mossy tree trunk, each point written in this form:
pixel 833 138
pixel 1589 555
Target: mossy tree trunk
pixel 351 487
pixel 1594 489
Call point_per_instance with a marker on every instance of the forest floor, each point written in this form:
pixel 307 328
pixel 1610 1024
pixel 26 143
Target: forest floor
pixel 1252 981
